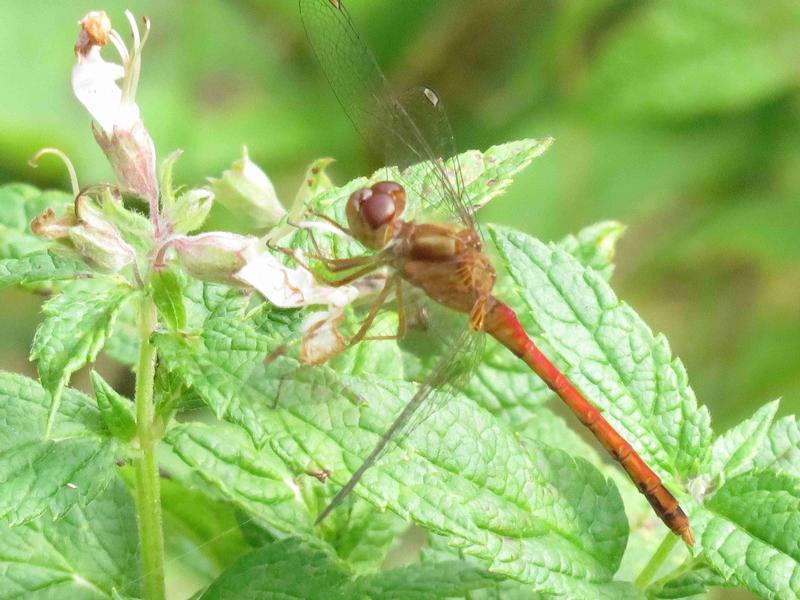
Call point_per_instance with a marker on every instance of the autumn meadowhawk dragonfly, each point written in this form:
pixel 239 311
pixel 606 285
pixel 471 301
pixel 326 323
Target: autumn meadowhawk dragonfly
pixel 445 260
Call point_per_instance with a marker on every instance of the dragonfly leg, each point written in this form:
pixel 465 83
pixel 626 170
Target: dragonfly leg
pixel 333 222
pixel 361 335
pixel 368 264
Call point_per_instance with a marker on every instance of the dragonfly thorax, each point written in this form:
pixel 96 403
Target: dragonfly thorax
pixel 373 213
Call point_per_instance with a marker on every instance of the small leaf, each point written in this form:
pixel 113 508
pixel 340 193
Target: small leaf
pixel 38 475
pixel 76 326
pixel 595 246
pixel 734 452
pixel 117 410
pixel 168 298
pixel 87 554
pixel 781 450
pixel 750 532
pixel 610 354
pixel 39 267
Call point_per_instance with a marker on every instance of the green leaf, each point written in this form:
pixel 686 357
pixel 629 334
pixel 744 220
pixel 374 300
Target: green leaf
pixel 168 298
pixel 781 450
pixel 295 569
pixel 485 176
pixel 362 535
pixel 71 468
pixel 253 480
pixel 38 267
pixel 85 555
pixel 117 410
pixel 461 474
pixel 595 246
pixel 692 584
pixel 19 204
pixel 445 580
pixel 76 326
pixel 199 531
pixel 734 452
pixel 610 354
pixel 218 364
pixel 686 58
pixel 488 174
pixel 287 569
pixel 750 532
pixel 505 385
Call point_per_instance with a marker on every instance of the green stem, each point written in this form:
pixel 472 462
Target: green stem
pixel 655 562
pixel 148 486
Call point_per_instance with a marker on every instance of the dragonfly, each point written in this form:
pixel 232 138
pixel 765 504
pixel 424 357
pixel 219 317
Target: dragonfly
pixel 446 260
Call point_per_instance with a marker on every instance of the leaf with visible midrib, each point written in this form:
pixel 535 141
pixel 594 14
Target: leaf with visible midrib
pixel 76 326
pixel 85 555
pixel 53 475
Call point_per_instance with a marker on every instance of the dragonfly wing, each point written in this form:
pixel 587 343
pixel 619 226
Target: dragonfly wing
pixel 405 130
pixel 444 380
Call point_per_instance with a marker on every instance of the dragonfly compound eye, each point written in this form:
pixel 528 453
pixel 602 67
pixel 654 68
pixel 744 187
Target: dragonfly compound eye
pixel 378 210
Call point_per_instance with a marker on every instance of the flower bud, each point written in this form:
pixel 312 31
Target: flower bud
pixel 132 155
pixel 246 189
pixel 215 256
pixel 98 240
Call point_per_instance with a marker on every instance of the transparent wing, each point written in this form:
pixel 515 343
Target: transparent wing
pixel 405 130
pixel 435 391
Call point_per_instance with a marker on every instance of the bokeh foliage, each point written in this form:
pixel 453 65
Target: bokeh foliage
pixel 680 119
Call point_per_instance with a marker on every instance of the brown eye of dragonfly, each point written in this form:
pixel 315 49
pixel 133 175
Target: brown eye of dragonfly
pixel 377 210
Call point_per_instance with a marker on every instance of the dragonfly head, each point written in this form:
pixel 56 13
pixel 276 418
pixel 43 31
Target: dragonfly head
pixel 373 212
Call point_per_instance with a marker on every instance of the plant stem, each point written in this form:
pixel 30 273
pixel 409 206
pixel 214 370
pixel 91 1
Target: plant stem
pixel 655 562
pixel 148 486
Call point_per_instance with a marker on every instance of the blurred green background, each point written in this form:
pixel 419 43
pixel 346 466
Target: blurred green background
pixel 681 119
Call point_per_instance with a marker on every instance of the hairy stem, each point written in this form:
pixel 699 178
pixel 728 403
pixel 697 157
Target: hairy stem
pixel 148 486
pixel 655 562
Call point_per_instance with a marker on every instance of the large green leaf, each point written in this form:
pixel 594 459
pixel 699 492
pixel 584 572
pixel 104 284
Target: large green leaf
pixel 88 554
pixel 77 323
pixel 462 474
pixel 689 57
pixel 49 476
pixel 610 354
pixel 750 531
